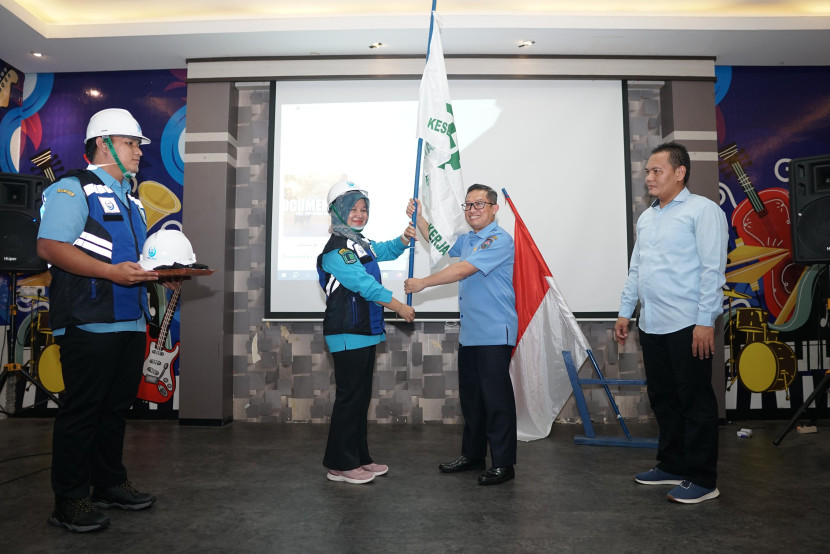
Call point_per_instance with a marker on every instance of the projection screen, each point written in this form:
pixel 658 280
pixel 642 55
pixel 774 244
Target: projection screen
pixel 557 146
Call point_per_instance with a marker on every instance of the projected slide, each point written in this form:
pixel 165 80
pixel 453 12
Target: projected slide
pixel 556 146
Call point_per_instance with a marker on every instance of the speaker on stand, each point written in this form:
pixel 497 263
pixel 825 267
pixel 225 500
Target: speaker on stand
pixel 810 209
pixel 20 201
pixel 810 227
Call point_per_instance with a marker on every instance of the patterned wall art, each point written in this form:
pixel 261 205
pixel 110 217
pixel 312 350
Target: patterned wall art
pixel 776 321
pixel 51 126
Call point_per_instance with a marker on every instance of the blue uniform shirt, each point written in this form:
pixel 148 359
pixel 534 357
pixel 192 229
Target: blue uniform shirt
pixel 677 267
pixel 486 299
pixel 63 217
pixel 355 278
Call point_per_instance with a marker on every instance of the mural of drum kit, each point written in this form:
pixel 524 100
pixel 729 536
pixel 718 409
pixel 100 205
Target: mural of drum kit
pixel 764 364
pixel 45 363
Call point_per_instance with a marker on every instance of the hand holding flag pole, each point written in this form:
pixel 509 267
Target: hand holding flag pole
pixel 414 218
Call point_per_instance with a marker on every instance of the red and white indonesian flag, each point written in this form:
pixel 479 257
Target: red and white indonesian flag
pixel 546 328
pixel 442 191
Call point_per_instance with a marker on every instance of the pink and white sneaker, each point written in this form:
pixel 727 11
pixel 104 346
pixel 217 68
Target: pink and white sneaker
pixel 357 476
pixel 377 469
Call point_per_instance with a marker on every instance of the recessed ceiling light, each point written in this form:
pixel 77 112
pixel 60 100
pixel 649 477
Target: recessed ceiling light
pixel 95 93
pixel 37 54
pixel 526 43
pixel 375 45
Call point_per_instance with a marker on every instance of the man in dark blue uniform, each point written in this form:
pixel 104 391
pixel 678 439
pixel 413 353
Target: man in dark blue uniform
pixel 489 325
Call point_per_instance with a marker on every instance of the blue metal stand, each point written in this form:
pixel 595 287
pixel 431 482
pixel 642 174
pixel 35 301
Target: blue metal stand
pixel 590 436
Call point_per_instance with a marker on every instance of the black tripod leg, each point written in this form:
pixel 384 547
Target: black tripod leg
pixel 818 390
pixel 4 375
pixel 36 383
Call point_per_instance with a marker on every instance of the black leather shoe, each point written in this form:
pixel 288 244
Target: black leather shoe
pixel 124 496
pixel 461 464
pixel 496 475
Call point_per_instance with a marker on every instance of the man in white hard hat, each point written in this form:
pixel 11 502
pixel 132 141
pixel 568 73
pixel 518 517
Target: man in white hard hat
pixel 92 232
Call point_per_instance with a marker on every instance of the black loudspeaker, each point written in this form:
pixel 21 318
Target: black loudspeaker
pixel 20 201
pixel 810 209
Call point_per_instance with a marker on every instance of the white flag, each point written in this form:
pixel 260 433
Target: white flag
pixel 442 189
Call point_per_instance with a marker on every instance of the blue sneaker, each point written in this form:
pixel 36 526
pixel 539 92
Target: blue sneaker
pixel 656 476
pixel 689 493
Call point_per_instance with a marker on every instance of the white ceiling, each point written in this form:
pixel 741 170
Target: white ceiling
pixel 108 35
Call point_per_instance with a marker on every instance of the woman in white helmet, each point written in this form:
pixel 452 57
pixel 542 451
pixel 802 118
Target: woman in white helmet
pixel 353 326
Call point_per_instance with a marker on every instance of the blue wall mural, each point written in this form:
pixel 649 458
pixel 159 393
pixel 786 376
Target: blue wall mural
pixel 51 126
pixel 766 117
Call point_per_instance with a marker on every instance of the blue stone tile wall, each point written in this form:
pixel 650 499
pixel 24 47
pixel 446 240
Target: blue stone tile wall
pixel 283 371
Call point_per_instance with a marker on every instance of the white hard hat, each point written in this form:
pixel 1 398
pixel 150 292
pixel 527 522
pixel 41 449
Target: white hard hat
pixel 112 122
pixel 341 188
pixel 166 247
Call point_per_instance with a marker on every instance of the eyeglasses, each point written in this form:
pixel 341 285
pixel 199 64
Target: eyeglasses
pixel 478 204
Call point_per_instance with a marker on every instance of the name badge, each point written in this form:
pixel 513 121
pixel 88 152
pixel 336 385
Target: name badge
pixel 110 205
pixel 359 249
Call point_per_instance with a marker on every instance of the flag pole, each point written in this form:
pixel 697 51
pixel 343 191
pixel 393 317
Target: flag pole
pixel 418 167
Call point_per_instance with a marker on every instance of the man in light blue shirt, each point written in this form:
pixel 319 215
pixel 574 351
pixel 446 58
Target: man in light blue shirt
pixel 92 233
pixel 677 274
pixel 489 325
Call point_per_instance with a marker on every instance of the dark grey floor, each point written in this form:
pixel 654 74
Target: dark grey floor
pixel 261 488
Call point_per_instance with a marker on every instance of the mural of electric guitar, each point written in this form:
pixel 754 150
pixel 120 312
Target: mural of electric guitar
pixel 7 79
pixel 158 380
pixel 763 219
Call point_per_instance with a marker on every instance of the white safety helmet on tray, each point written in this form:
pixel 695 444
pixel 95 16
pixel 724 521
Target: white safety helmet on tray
pixel 165 248
pixel 114 122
